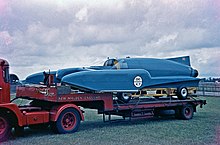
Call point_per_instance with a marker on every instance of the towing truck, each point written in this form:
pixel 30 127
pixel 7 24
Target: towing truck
pixel 61 108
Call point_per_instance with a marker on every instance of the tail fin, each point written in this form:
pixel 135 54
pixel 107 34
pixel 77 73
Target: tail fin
pixel 184 60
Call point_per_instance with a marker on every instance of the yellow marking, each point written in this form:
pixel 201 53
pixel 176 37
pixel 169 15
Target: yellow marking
pixel 159 92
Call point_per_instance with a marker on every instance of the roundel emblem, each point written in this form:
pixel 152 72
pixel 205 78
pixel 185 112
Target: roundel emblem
pixel 137 81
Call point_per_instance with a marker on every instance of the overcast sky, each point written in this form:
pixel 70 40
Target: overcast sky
pixel 38 35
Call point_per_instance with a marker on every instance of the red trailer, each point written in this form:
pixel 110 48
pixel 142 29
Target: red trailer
pixel 61 108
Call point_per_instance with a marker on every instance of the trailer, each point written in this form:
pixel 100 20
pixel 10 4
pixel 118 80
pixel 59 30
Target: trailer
pixel 62 108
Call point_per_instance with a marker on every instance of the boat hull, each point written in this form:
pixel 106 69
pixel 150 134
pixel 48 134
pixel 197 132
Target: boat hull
pixel 131 80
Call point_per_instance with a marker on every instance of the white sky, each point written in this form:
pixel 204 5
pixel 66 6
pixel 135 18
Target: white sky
pixel 37 35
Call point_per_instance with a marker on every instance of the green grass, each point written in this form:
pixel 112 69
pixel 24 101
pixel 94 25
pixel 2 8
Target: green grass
pixel 202 129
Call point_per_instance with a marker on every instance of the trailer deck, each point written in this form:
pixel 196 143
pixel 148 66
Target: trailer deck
pixel 62 108
pixel 105 102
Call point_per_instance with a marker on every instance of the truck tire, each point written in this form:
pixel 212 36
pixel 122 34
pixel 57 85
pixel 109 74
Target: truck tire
pixel 182 93
pixel 67 122
pixel 5 128
pixel 186 112
pixel 124 97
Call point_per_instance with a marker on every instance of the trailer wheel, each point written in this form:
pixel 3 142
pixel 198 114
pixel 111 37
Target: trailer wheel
pixel 186 112
pixel 182 93
pixel 67 122
pixel 124 97
pixel 5 128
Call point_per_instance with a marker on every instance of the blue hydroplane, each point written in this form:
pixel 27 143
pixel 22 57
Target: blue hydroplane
pixel 129 77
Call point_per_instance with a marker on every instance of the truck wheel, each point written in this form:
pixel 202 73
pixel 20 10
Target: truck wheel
pixel 5 128
pixel 186 112
pixel 182 93
pixel 124 97
pixel 67 122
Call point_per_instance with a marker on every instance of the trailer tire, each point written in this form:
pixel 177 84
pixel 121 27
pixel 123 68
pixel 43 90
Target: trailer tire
pixel 182 93
pixel 186 112
pixel 124 97
pixel 5 128
pixel 67 122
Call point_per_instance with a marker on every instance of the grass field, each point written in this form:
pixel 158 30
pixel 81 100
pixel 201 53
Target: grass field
pixel 204 128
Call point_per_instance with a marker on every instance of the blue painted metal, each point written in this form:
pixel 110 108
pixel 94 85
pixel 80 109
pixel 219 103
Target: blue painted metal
pixel 37 78
pixel 184 60
pixel 63 72
pixel 103 80
pixel 120 75
pixel 164 73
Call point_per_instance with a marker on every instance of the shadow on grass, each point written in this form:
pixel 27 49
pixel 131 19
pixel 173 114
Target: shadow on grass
pixel 100 124
pixel 90 125
pixel 32 132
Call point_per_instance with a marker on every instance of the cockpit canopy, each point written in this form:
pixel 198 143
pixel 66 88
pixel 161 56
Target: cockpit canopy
pixel 116 64
pixel 110 62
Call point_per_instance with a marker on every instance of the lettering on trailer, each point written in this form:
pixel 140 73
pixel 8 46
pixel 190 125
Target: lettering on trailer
pixel 137 81
pixel 72 98
pixel 45 92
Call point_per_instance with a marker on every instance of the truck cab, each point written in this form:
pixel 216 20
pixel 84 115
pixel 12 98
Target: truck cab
pixel 4 82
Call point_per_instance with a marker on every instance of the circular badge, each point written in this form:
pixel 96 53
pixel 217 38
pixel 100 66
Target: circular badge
pixel 137 81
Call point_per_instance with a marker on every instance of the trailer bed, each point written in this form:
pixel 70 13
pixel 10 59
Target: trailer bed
pixel 105 102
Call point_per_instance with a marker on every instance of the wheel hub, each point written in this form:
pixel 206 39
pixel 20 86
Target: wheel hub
pixel 126 95
pixel 187 111
pixel 2 125
pixel 184 92
pixel 68 122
